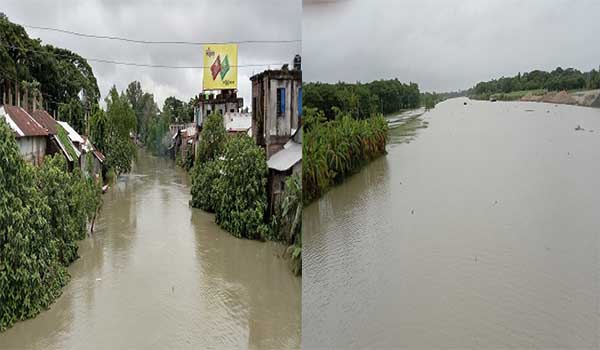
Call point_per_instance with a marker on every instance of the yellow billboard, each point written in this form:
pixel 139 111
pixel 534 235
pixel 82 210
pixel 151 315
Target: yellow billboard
pixel 220 66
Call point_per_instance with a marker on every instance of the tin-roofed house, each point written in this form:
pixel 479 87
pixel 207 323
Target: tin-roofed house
pixel 89 159
pixel 30 135
pixel 58 140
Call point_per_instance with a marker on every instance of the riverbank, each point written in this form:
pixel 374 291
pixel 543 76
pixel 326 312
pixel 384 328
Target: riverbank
pixel 336 149
pixel 585 98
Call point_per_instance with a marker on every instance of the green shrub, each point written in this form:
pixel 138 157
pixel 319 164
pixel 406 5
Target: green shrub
pixel 204 177
pixel 31 275
pixel 212 138
pixel 241 189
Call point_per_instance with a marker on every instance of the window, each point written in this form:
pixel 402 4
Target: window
pixel 280 102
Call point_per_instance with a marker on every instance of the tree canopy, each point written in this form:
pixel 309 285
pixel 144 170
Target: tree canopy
pixel 361 101
pixel 64 77
pixel 556 80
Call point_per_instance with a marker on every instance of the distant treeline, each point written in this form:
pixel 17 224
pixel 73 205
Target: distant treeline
pixel 558 79
pixel 361 100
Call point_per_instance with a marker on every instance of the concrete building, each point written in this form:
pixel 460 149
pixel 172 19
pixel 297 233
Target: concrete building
pixel 30 135
pixel 276 125
pixel 276 107
pixel 238 123
pixel 226 101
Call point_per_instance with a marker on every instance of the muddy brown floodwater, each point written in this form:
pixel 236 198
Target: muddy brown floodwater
pixel 482 232
pixel 160 275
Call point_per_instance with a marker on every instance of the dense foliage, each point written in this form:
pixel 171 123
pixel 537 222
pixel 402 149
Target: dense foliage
pixel 334 149
pixel 204 178
pixel 111 132
pixel 556 80
pixel 177 111
pixel 60 75
pixel 43 211
pixel 287 224
pixel 361 101
pixel 212 138
pixel 145 109
pixel 242 189
pixel 233 185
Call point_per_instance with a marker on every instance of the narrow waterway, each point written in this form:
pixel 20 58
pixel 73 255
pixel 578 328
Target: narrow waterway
pixel 481 232
pixel 160 275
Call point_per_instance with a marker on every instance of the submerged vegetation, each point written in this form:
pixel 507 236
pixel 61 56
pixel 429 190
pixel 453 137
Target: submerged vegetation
pixel 335 149
pixel 43 212
pixel 231 181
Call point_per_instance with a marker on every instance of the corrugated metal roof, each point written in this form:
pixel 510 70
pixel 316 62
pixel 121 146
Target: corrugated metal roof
pixel 22 123
pixel 63 148
pixel 73 135
pixel 45 120
pixel 287 157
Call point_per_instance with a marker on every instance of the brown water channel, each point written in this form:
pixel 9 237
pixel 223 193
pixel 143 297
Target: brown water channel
pixel 482 232
pixel 160 275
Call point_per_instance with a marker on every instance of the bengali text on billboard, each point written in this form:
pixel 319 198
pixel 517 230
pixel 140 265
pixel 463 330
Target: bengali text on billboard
pixel 220 66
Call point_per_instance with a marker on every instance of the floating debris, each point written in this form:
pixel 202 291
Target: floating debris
pixel 412 211
pixel 579 128
pixel 98 279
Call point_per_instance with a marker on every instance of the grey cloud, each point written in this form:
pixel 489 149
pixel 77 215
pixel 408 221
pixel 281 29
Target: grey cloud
pixel 198 21
pixel 446 45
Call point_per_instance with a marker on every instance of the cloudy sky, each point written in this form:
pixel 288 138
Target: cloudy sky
pixel 194 20
pixel 446 45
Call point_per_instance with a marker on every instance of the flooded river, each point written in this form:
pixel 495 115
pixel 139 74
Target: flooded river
pixel 160 275
pixel 482 232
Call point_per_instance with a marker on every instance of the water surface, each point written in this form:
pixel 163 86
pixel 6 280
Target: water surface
pixel 160 275
pixel 482 232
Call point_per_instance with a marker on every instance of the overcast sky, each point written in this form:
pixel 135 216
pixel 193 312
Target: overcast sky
pixel 446 45
pixel 194 20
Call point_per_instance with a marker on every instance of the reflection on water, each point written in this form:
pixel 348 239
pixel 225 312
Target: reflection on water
pixel 481 233
pixel 160 275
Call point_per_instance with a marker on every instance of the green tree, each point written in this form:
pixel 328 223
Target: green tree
pixel 241 189
pixel 212 138
pixel 31 275
pixel 121 122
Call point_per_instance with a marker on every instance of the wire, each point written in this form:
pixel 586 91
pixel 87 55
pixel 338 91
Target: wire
pixel 135 64
pixel 151 42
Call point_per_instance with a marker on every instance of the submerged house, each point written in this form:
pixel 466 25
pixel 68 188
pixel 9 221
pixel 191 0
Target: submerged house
pixel 276 106
pixel 276 123
pixel 30 135
pixel 57 140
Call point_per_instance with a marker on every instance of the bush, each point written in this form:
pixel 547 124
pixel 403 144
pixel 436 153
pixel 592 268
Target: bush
pixel 31 275
pixel 333 150
pixel 241 189
pixel 43 212
pixel 204 177
pixel 212 138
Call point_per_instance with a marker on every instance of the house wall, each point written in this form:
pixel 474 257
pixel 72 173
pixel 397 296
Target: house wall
pixel 276 130
pixel 32 148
